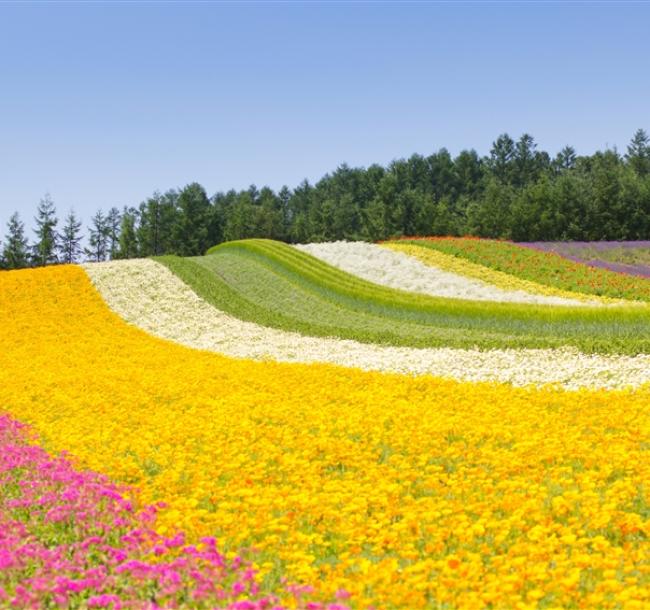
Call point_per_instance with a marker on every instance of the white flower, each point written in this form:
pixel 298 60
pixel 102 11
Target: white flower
pixel 399 270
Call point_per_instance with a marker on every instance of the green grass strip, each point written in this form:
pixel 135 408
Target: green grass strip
pixel 275 285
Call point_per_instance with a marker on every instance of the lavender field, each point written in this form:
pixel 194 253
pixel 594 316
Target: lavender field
pixel 632 257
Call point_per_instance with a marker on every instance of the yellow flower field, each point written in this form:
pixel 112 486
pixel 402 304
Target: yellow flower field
pixel 406 492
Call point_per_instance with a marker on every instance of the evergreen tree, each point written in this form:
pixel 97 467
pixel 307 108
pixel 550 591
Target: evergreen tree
pixel 565 159
pixel 70 239
pixel 638 153
pixel 501 159
pixel 269 219
pixel 469 170
pixel 16 252
pixel 190 232
pixel 44 251
pixel 240 219
pixel 128 246
pixel 491 215
pixel 113 220
pixel 284 197
pixel 442 177
pixel 516 191
pixel 155 225
pixel 97 238
pixel 525 161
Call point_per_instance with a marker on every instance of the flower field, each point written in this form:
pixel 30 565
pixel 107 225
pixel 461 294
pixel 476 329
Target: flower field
pixel 344 487
pixel 631 257
pixel 274 285
pixel 541 266
pixel 72 539
pixel 397 270
pixel 149 296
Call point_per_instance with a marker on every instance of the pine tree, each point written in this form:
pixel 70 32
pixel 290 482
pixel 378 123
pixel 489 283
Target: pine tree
pixel 128 247
pixel 97 238
pixel 638 153
pixel 525 160
pixel 45 249
pixel 190 231
pixel 501 158
pixel 70 239
pixel 113 220
pixel 16 251
pixel 565 159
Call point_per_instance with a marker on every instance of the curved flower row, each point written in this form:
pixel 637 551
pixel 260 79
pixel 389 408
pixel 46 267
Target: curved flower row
pixel 396 269
pixel 629 257
pixel 502 280
pixel 72 539
pixel 548 268
pixel 406 492
pixel 148 295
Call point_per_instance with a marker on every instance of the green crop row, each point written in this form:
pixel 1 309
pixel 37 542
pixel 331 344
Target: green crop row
pixel 275 285
pixel 547 268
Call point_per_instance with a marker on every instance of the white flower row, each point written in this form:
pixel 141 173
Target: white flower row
pixel 398 270
pixel 149 296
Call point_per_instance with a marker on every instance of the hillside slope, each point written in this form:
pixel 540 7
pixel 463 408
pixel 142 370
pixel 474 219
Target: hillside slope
pixel 273 284
pixel 148 295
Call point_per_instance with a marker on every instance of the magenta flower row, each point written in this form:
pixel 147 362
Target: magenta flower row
pixel 73 539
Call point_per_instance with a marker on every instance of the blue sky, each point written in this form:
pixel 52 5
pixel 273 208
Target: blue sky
pixel 103 103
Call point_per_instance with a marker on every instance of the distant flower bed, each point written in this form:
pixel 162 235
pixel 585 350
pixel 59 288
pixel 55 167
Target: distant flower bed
pixel 631 257
pixel 544 267
pixel 399 270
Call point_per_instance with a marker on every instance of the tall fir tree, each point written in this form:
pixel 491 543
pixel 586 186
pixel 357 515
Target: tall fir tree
pixel 638 153
pixel 16 249
pixel 501 159
pixel 524 160
pixel 70 239
pixel 565 159
pixel 190 231
pixel 45 249
pixel 97 249
pixel 113 220
pixel 128 247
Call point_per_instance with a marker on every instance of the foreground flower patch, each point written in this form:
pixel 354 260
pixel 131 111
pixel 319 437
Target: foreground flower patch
pixel 403 492
pixel 70 539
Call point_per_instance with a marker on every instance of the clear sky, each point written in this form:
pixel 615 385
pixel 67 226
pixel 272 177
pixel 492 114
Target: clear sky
pixel 103 103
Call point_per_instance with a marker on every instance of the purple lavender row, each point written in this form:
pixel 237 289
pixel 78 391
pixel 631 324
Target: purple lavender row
pixel 73 539
pixel 602 246
pixel 584 251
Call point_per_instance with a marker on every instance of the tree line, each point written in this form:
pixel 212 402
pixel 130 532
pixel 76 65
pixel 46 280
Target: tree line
pixel 515 192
